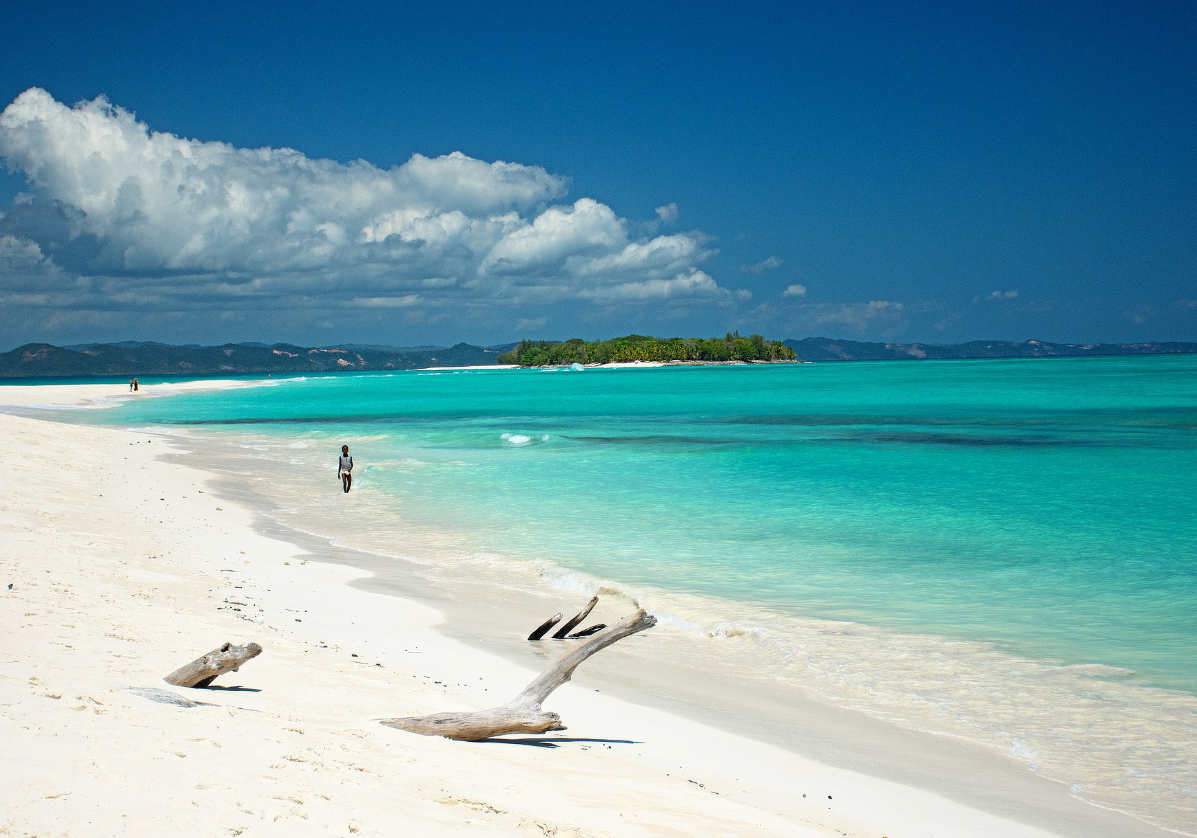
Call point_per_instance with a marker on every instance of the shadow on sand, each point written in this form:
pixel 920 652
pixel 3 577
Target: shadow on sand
pixel 554 741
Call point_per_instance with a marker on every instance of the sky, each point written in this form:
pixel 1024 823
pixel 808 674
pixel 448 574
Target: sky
pixel 411 174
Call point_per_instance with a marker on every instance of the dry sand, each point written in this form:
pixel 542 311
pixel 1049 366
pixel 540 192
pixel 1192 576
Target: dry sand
pixel 116 567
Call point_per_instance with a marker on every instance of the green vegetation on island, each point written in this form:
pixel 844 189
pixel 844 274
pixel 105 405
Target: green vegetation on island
pixel 542 353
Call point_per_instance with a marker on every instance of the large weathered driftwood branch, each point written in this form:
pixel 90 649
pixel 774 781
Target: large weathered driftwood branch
pixel 523 714
pixel 202 671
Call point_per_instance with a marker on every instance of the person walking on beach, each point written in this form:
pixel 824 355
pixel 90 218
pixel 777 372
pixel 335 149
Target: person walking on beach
pixel 135 385
pixel 345 468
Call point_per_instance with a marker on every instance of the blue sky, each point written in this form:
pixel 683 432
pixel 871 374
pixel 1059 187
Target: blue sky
pixel 931 172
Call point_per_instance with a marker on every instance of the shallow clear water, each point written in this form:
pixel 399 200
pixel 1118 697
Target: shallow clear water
pixel 1001 549
pixel 1044 505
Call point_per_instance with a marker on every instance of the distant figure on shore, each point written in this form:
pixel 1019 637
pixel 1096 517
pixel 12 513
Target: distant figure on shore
pixel 345 468
pixel 135 385
pixel 130 385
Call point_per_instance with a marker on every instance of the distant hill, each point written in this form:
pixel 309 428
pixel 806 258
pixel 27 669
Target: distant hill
pixel 827 349
pixel 381 347
pixel 503 347
pixel 131 344
pixel 131 358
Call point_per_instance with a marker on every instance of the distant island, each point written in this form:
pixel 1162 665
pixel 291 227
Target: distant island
pixel 632 348
pixel 131 358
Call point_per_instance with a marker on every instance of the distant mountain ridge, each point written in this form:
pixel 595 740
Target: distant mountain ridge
pixel 140 358
pixel 134 358
pixel 828 349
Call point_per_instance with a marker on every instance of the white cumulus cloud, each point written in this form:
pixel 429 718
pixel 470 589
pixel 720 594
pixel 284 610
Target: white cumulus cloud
pixel 684 284
pixel 528 323
pixel 19 253
pixel 150 219
pixel 764 266
pixel 796 290
pixel 862 317
pixel 667 213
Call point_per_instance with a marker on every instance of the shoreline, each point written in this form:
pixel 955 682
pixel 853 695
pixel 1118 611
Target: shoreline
pixel 685 716
pixel 291 744
pixel 968 773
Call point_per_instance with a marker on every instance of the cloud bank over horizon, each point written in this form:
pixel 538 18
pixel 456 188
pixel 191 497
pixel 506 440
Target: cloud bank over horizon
pixel 120 218
pixel 125 232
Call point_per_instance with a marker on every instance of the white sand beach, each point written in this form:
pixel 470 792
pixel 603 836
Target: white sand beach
pixel 118 565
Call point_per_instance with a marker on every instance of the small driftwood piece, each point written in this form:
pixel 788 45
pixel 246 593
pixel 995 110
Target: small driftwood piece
pixel 576 621
pixel 203 671
pixel 586 632
pixel 544 627
pixel 523 714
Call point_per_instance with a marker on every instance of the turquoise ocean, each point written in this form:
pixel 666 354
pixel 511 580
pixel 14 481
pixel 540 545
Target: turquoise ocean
pixel 1003 550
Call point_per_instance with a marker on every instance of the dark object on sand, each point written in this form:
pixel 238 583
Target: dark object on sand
pixel 203 671
pixel 540 630
pixel 522 714
pixel 563 633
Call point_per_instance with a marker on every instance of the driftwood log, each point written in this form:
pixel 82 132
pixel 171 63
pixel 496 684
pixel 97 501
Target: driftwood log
pixel 523 714
pixel 572 624
pixel 203 671
pixel 543 627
